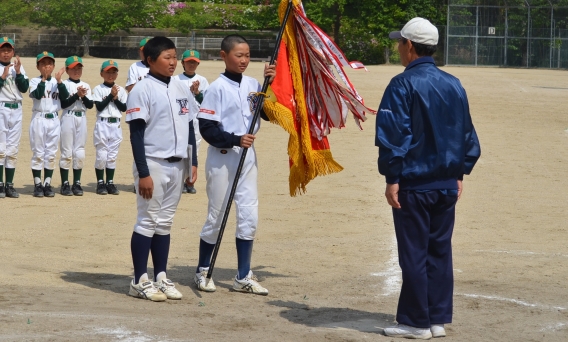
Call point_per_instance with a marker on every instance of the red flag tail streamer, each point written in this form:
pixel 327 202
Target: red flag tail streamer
pixel 310 95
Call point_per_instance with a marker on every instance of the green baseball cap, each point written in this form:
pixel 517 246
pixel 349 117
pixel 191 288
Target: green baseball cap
pixel 190 55
pixel 109 65
pixel 6 40
pixel 43 55
pixel 72 61
pixel 143 42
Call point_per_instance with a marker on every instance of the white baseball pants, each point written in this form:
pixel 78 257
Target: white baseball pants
pixel 220 171
pixel 73 140
pixel 156 215
pixel 44 140
pixel 10 134
pixel 107 138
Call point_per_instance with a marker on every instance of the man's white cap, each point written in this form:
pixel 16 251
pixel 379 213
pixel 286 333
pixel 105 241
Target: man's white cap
pixel 418 30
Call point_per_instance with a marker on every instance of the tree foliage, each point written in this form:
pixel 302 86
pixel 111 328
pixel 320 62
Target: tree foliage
pixel 13 12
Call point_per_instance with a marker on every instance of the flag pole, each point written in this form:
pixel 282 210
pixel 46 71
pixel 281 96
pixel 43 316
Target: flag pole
pixel 244 153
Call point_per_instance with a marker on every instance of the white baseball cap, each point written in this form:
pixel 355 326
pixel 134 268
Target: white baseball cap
pixel 418 30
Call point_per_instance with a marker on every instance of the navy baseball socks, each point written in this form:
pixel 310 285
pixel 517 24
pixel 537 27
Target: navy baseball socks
pixel 200 278
pixel 246 281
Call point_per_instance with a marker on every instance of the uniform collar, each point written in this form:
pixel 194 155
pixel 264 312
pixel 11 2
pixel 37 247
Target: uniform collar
pixel 110 85
pixel 5 64
pixel 75 81
pixel 235 77
pixel 189 76
pixel 425 59
pixel 164 80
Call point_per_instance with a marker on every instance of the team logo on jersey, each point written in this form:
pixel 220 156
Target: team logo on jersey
pixel 182 106
pixel 253 100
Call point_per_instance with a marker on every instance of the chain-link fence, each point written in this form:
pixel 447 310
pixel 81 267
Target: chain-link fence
pixel 515 33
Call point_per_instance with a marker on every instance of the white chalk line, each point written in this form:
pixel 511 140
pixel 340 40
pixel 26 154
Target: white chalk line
pixel 526 253
pixel 553 327
pixel 523 89
pixel 393 274
pixel 512 300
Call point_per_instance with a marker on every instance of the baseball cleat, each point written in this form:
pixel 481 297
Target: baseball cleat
pixel 38 190
pixel 191 190
pixel 146 290
pixel 48 191
pixel 184 189
pixel 66 189
pixel 405 331
pixel 168 288
pixel 10 191
pixel 2 190
pixel 204 284
pixel 111 189
pixel 101 189
pixel 438 330
pixel 76 189
pixel 249 284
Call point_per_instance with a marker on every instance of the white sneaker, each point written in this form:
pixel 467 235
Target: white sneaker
pixel 146 290
pixel 204 284
pixel 168 288
pixel 401 330
pixel 249 284
pixel 438 330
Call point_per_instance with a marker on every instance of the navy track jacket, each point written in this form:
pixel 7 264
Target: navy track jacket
pixel 424 131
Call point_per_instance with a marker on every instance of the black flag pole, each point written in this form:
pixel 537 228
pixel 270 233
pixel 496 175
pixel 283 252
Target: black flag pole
pixel 244 153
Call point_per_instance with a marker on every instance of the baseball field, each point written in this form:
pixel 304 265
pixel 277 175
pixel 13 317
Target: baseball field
pixel 328 257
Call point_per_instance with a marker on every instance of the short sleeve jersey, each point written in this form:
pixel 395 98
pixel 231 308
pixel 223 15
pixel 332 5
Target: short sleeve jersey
pixel 164 108
pixel 136 73
pixel 203 85
pixel 10 91
pixel 231 104
pixel 77 106
pixel 50 101
pixel 111 111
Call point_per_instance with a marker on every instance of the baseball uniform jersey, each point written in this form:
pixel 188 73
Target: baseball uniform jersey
pixel 74 128
pixel 10 117
pixel 136 73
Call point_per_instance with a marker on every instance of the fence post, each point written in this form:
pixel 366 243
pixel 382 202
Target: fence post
pixel 529 36
pixel 476 31
pixel 506 32
pixel 551 35
pixel 447 34
pixel 65 40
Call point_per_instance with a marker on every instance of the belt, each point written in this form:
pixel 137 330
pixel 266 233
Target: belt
pixel 11 105
pixel 111 120
pixel 49 115
pixel 77 114
pixel 173 159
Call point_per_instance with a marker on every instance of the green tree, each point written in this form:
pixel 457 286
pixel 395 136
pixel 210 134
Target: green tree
pixel 13 12
pixel 95 19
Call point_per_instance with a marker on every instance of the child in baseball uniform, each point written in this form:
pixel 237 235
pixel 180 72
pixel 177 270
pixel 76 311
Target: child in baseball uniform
pixel 46 92
pixel 13 82
pixel 74 127
pixel 198 84
pixel 138 70
pixel 158 110
pixel 110 100
pixel 224 119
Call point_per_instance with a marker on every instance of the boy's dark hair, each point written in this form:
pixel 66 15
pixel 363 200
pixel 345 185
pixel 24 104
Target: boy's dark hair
pixel 421 49
pixel 231 40
pixel 37 63
pixel 155 46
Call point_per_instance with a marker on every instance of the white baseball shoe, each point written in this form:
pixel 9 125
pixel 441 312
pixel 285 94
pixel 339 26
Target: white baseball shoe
pixel 438 330
pixel 202 283
pixel 401 330
pixel 168 288
pixel 146 290
pixel 249 284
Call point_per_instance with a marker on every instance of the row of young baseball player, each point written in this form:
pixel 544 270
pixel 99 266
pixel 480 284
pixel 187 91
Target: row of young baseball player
pixel 53 97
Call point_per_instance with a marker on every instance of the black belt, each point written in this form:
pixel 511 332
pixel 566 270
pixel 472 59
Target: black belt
pixel 111 120
pixel 173 159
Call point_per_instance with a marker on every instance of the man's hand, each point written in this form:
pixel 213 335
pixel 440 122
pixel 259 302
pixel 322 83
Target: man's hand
pixel 59 74
pixel 270 71
pixel 391 193
pixel 194 88
pixel 18 65
pixel 247 140
pixel 460 188
pixel 193 174
pixel 6 71
pixel 146 187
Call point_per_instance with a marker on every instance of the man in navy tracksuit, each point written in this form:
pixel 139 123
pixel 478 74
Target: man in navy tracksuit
pixel 427 143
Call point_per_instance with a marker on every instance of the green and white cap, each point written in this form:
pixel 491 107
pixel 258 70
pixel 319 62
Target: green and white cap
pixel 43 55
pixel 109 65
pixel 6 40
pixel 143 42
pixel 73 61
pixel 191 55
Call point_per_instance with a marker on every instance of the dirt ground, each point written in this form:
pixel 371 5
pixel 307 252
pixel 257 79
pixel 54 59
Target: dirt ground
pixel 328 257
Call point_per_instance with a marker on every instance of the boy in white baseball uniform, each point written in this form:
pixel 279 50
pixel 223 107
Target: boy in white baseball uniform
pixel 46 92
pixel 224 119
pixel 157 113
pixel 13 82
pixel 138 70
pixel 110 100
pixel 74 127
pixel 198 84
